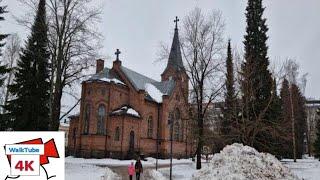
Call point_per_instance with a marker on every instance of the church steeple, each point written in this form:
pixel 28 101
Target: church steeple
pixel 175 59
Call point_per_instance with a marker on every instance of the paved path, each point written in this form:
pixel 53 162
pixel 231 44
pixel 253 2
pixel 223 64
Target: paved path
pixel 122 171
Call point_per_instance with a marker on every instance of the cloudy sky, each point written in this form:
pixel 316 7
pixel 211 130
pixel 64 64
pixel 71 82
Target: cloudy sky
pixel 137 27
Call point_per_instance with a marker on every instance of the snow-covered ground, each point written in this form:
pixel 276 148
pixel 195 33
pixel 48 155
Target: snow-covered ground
pixel 88 172
pixel 184 169
pixel 307 169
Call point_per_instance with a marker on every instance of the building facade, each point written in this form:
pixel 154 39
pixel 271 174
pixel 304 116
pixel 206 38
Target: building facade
pixel 124 113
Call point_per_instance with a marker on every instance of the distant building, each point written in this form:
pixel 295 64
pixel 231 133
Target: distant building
pixel 124 113
pixel 64 126
pixel 311 108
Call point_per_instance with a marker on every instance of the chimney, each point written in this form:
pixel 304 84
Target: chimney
pixel 100 65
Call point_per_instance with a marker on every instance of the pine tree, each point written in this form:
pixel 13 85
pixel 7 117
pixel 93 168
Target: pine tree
pixel 29 111
pixel 316 144
pixel 3 68
pixel 256 84
pixel 230 99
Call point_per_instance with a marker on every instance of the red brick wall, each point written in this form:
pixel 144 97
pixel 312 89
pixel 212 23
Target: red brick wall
pixel 114 96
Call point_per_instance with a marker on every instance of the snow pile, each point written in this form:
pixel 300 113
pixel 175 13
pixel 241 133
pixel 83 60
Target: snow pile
pixel 110 175
pixel 154 92
pixel 152 174
pixel 243 162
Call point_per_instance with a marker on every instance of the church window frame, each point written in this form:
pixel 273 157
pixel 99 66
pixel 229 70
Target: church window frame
pixel 101 116
pixel 150 127
pixel 86 119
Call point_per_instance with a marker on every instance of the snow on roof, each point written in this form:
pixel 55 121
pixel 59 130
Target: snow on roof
pixel 107 75
pixel 154 92
pixel 126 110
pixel 117 81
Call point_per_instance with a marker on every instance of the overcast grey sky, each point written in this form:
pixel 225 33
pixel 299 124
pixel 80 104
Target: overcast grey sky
pixel 137 26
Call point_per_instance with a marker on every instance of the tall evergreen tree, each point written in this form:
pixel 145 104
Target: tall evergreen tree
pixel 316 144
pixel 229 117
pixel 3 68
pixel 285 125
pixel 256 84
pixel 29 110
pixel 300 119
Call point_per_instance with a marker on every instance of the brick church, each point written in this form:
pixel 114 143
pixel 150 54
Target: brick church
pixel 124 113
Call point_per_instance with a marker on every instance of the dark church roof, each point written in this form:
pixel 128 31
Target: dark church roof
pixel 175 58
pixel 139 81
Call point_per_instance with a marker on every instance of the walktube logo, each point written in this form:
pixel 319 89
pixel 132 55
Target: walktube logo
pixel 34 159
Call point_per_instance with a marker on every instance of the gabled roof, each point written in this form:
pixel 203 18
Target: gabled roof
pixel 139 81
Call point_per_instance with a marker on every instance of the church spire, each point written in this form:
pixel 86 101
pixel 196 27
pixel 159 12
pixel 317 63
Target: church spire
pixel 175 58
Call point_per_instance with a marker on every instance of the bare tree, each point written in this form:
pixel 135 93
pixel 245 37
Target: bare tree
pixel 11 55
pixel 292 71
pixel 202 47
pixel 74 44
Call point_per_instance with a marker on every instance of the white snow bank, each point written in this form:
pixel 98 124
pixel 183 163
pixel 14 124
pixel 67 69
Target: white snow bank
pixel 243 162
pixel 86 171
pixel 154 92
pixel 110 175
pixel 152 174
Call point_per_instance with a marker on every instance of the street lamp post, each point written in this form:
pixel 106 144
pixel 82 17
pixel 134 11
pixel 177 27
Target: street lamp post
pixel 171 139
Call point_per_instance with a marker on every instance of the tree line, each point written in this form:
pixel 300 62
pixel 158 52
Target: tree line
pixel 61 45
pixel 259 107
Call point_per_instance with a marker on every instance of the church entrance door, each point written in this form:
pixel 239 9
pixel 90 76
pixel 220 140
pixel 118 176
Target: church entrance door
pixel 131 146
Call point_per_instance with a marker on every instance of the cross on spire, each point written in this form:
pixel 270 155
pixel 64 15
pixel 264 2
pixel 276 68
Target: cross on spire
pixel 117 53
pixel 176 21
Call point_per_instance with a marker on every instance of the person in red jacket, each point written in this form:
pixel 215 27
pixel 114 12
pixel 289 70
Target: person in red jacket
pixel 131 170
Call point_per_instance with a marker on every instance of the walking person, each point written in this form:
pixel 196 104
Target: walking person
pixel 131 170
pixel 139 169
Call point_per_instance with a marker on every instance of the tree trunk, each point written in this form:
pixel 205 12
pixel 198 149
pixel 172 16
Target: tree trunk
pixel 200 141
pixel 56 107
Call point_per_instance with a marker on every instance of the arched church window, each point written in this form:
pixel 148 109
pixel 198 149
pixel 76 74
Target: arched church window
pixel 117 134
pixel 177 125
pixel 150 127
pixel 101 119
pixel 86 119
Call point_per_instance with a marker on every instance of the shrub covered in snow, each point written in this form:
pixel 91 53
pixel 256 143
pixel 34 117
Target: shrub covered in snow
pixel 243 162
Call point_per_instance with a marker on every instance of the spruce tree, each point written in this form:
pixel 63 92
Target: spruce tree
pixel 300 119
pixel 316 144
pixel 256 84
pixel 285 121
pixel 230 99
pixel 29 110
